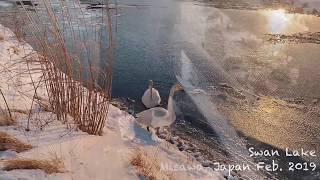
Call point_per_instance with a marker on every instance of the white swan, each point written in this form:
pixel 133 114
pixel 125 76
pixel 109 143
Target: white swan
pixel 159 117
pixel 151 97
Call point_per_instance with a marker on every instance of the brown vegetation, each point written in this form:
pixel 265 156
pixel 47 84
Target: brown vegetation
pixel 48 166
pixel 149 166
pixel 74 84
pixel 8 142
pixel 6 119
pixel 1 37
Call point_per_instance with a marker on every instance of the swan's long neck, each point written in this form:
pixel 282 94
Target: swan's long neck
pixel 150 88
pixel 170 100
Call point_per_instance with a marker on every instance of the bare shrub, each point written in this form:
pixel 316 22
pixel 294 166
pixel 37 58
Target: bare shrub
pixel 8 142
pixel 49 166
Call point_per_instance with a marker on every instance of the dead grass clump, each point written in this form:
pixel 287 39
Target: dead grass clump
pixel 146 167
pixel 8 142
pixel 6 120
pixel 48 166
pixel 149 166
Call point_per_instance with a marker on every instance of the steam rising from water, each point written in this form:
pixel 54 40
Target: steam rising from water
pixel 226 133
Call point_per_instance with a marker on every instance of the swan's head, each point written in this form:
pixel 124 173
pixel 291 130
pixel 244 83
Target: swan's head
pixel 175 88
pixel 150 83
pixel 178 87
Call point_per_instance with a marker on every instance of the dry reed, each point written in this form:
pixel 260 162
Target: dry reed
pixel 67 55
pixel 6 103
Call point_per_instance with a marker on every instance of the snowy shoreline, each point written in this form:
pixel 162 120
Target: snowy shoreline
pixel 84 156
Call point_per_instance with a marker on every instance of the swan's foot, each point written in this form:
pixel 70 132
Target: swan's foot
pixel 154 136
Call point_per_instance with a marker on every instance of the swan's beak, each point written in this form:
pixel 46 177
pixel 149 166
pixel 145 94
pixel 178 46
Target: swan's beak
pixel 179 87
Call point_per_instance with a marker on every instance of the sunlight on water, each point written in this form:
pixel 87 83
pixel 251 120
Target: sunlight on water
pixel 278 20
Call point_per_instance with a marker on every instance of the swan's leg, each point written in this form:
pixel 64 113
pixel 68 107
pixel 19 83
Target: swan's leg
pixel 148 128
pixel 154 137
pixel 158 130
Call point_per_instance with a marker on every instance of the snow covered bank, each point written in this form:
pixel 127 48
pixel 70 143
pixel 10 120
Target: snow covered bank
pixel 84 156
pixel 18 78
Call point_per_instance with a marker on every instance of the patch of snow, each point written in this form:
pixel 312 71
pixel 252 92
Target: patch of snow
pixel 29 175
pixel 7 154
pixel 15 81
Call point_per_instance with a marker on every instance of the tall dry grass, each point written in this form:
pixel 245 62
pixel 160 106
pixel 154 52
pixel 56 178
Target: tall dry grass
pixel 7 142
pixel 69 42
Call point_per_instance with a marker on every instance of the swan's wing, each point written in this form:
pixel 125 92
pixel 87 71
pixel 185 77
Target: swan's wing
pixel 145 117
pixel 146 98
pixel 156 96
pixel 152 117
pixel 160 117
pixel 160 112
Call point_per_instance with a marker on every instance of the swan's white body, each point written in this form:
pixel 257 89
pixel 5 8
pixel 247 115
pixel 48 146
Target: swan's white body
pixel 156 117
pixel 159 117
pixel 151 98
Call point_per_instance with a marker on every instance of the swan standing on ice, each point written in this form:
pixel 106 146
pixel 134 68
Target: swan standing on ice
pixel 151 97
pixel 159 117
